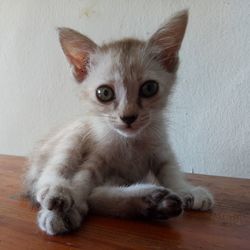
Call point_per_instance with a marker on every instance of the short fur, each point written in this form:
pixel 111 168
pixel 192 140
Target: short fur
pixel 100 164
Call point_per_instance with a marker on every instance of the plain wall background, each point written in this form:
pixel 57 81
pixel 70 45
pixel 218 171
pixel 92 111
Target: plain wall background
pixel 210 112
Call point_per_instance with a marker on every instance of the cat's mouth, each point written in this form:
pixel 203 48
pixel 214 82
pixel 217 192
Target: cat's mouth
pixel 129 130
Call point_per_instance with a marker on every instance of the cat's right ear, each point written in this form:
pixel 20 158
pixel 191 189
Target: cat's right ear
pixel 77 49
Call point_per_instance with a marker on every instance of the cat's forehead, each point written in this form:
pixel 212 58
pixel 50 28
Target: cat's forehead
pixel 122 59
pixel 126 63
pixel 124 47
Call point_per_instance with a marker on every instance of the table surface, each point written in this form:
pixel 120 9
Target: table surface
pixel 226 227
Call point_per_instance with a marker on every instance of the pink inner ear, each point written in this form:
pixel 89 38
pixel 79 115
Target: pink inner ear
pixel 77 49
pixel 168 54
pixel 79 62
pixel 79 67
pixel 169 48
pixel 171 63
pixel 79 74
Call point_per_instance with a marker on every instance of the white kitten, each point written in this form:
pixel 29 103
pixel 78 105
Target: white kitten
pixel 116 160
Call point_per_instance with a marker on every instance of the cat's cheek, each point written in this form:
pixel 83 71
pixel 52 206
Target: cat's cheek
pixel 100 108
pixel 155 105
pixel 147 103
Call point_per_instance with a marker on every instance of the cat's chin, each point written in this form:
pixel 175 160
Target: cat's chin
pixel 128 132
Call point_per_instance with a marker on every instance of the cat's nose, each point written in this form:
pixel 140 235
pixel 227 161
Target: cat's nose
pixel 129 119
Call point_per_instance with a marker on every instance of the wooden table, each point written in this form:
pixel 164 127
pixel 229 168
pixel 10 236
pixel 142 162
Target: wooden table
pixel 227 227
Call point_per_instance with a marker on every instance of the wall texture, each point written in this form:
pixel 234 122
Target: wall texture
pixel 209 119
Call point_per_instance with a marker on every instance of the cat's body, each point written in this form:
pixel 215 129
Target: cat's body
pixel 116 160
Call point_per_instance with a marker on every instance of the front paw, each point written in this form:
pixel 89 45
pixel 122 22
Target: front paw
pixel 55 198
pixel 54 223
pixel 198 198
pixel 162 204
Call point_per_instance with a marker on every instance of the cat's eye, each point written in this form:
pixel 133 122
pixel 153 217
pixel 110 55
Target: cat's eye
pixel 105 93
pixel 148 89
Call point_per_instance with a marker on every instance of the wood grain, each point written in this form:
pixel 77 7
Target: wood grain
pixel 226 227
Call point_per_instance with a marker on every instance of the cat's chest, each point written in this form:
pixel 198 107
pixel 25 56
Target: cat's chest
pixel 129 160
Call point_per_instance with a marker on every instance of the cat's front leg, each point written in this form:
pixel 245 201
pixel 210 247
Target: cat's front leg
pixel 194 197
pixel 147 201
pixel 62 200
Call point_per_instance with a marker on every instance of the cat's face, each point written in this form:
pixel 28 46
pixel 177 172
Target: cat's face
pixel 126 83
pixel 125 86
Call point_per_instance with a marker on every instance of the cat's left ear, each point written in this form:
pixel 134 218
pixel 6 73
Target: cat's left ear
pixel 165 43
pixel 77 49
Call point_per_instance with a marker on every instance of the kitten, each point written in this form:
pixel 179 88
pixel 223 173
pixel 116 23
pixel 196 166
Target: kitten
pixel 116 159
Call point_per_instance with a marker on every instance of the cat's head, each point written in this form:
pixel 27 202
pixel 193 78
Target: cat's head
pixel 126 82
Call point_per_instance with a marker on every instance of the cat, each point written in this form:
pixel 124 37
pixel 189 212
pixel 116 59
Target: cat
pixel 116 159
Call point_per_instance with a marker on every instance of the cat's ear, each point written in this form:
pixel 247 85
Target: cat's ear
pixel 166 41
pixel 77 49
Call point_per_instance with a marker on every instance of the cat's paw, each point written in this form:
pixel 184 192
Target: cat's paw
pixel 54 223
pixel 56 198
pixel 162 204
pixel 198 198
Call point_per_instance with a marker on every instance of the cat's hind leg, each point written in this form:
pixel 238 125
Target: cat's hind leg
pixel 147 201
